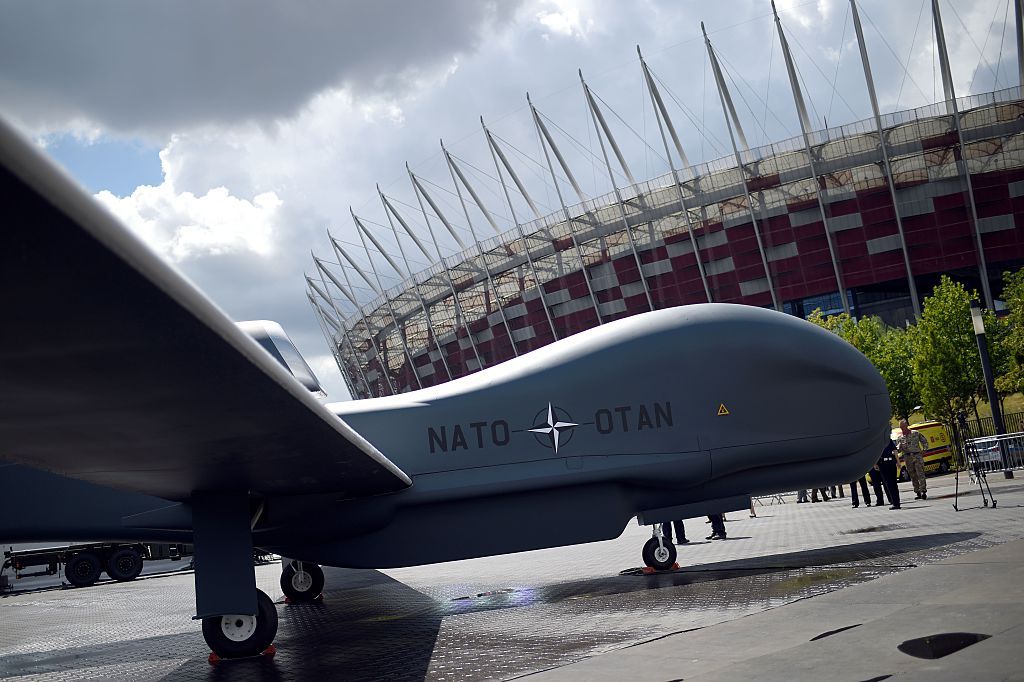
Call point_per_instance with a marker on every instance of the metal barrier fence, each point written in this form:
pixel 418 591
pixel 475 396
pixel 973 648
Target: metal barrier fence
pixel 996 453
pixel 976 428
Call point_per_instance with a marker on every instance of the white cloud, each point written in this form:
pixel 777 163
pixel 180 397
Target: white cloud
pixel 182 225
pixel 260 157
pixel 565 18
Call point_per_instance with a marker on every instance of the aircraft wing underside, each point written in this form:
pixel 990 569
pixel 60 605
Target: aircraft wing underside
pixel 116 370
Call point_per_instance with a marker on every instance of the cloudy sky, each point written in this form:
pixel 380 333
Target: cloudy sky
pixel 232 135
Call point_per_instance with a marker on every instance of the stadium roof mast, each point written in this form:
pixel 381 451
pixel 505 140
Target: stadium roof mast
pixel 805 129
pixel 599 125
pixel 661 115
pixel 1018 15
pixel 479 249
pixel 321 319
pixel 915 301
pixel 349 293
pixel 732 121
pixel 451 230
pixel 388 210
pixel 545 142
pixel 460 316
pixel 378 351
pixel 344 336
pixel 380 288
pixel 953 108
pixel 496 153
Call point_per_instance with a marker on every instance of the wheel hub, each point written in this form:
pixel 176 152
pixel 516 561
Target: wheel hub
pixel 238 628
pixel 302 581
pixel 661 554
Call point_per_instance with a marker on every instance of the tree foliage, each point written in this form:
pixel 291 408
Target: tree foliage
pixel 894 358
pixel 1008 363
pixel 945 355
pixel 889 349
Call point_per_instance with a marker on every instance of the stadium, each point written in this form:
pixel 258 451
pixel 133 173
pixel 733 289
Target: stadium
pixel 860 218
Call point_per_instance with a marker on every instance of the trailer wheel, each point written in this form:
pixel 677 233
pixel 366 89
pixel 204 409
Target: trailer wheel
pixel 124 564
pixel 83 569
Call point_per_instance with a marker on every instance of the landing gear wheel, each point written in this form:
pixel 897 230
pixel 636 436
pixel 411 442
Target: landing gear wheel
pixel 240 636
pixel 124 565
pixel 659 557
pixel 83 569
pixel 302 581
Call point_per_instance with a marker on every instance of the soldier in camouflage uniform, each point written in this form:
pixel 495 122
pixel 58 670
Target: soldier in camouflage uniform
pixel 911 444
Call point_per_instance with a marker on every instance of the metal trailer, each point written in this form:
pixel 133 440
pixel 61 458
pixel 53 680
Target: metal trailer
pixel 84 563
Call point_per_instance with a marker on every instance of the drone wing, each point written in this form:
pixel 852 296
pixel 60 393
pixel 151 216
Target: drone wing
pixel 114 369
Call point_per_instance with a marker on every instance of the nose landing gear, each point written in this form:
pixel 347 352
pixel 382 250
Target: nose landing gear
pixel 659 553
pixel 302 581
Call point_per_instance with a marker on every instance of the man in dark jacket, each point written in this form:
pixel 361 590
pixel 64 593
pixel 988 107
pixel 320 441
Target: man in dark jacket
pixel 886 466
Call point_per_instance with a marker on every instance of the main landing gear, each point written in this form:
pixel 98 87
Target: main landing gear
pixel 659 553
pixel 238 636
pixel 302 581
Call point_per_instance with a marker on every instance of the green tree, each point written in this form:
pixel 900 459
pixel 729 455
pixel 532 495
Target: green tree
pixel 864 334
pixel 890 350
pixel 1009 369
pixel 945 355
pixel 894 358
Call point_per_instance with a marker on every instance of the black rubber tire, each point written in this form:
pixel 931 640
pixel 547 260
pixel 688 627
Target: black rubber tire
pixel 904 476
pixel 124 565
pixel 650 558
pixel 292 588
pixel 83 569
pixel 261 637
pixel 944 466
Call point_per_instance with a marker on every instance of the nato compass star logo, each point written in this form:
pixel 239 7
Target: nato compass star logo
pixel 557 423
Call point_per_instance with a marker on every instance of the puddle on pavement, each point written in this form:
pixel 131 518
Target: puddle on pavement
pixel 937 646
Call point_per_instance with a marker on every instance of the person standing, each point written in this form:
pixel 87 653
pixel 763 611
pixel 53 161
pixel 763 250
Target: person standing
pixel 717 527
pixel 864 489
pixel 912 444
pixel 886 466
pixel 876 484
pixel 666 532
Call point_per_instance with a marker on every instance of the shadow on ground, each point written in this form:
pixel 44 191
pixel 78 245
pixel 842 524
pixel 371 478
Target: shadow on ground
pixel 371 626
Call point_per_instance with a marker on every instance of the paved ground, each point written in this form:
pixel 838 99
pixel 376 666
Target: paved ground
pixel 746 607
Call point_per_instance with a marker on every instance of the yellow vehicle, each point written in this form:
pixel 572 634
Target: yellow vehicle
pixel 938 458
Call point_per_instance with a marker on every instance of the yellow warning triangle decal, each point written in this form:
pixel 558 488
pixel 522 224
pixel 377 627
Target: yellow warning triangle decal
pixel 722 410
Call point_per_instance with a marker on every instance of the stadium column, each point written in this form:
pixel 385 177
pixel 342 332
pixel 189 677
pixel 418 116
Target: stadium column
pixel 496 153
pixel 951 103
pixel 339 326
pixel 600 124
pixel 370 334
pixel 915 301
pixel 731 122
pixel 388 211
pixel 459 312
pixel 479 249
pixel 661 115
pixel 323 319
pixel 544 136
pixel 391 309
pixel 377 345
pixel 1018 16
pixel 801 110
